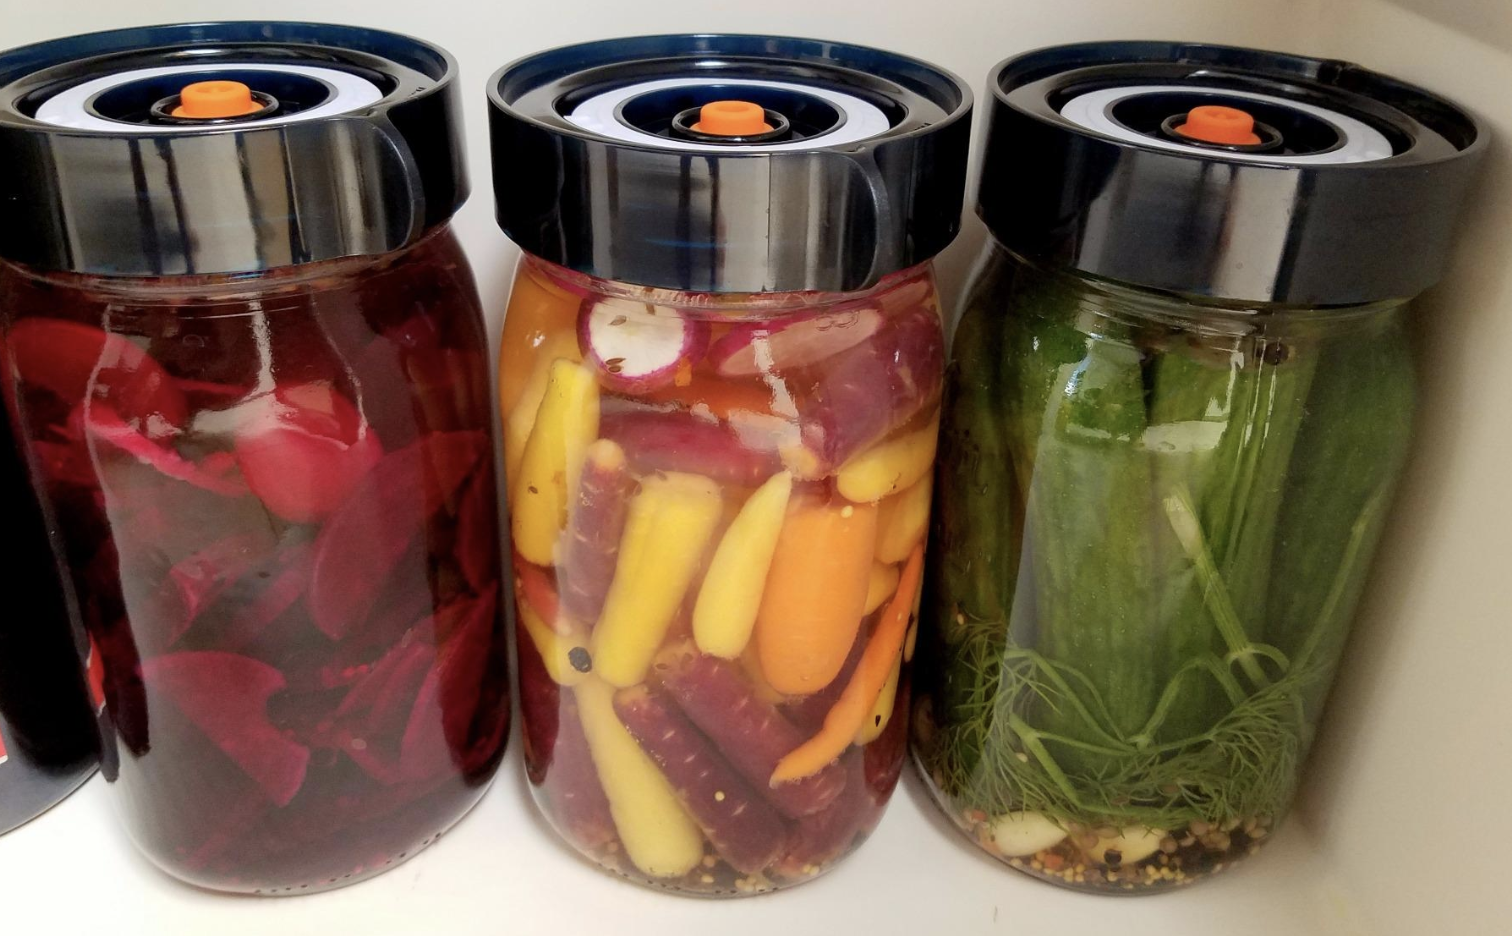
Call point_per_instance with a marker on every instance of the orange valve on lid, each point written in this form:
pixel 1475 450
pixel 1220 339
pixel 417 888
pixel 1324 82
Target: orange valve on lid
pixel 209 100
pixel 1214 123
pixel 732 118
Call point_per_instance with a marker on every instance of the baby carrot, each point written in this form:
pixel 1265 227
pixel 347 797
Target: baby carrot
pixel 848 715
pixel 815 593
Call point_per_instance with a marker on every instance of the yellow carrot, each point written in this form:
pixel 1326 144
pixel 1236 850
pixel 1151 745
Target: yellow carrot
pixel 731 593
pixel 750 664
pixel 848 715
pixel 657 833
pixel 902 521
pixel 881 713
pixel 565 655
pixel 883 582
pixel 566 423
pixel 815 592
pixel 889 467
pixel 670 522
pixel 519 407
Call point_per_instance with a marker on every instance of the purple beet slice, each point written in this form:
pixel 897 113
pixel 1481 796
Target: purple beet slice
pixel 194 583
pixel 304 450
pixel 477 545
pixel 71 359
pixel 217 476
pixel 225 696
pixel 362 542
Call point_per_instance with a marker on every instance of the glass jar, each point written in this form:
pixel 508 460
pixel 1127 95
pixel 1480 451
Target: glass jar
pixel 1155 519
pixel 720 378
pixel 274 494
pixel 718 508
pixel 48 737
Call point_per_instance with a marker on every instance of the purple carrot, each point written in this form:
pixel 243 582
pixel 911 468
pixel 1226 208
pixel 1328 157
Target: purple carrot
pixel 590 544
pixel 744 828
pixel 862 394
pixel 570 789
pixel 751 733
pixel 676 441
pixel 821 838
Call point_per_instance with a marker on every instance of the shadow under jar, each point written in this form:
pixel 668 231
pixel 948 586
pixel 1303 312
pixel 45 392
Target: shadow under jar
pixel 718 500
pixel 275 498
pixel 1156 512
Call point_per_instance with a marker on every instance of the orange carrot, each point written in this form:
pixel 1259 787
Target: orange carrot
pixel 860 695
pixel 533 587
pixel 815 594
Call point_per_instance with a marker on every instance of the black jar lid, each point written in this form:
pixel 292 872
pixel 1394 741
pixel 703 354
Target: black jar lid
pixel 1313 182
pixel 350 146
pixel 854 167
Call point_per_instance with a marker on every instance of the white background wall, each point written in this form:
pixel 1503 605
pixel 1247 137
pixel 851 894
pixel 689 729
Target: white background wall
pixel 1408 793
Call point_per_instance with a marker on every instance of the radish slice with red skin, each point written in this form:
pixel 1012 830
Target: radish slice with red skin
pixel 637 346
pixel 225 695
pixel 792 342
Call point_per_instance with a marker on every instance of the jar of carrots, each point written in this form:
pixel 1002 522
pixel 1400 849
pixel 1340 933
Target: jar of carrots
pixel 718 492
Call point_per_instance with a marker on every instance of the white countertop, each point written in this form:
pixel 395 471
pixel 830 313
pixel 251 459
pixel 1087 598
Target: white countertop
pixel 502 870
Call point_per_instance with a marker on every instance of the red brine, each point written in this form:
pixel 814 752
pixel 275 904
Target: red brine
pixel 276 498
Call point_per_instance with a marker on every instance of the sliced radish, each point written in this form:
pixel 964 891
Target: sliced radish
pixel 637 346
pixel 793 342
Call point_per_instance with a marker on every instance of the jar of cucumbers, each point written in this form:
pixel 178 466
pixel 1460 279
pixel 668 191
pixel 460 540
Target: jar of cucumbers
pixel 1178 405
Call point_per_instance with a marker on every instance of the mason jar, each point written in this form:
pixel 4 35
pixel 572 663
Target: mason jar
pixel 719 456
pixel 1168 452
pixel 267 444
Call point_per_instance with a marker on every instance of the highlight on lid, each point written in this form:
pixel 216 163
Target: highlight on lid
pixel 720 378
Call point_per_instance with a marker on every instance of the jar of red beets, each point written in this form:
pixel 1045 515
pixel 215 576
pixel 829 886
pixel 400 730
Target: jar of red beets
pixel 251 370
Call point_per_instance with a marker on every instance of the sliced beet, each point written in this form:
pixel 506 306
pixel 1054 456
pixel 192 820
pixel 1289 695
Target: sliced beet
pixel 304 450
pixel 195 583
pixel 456 696
pixel 477 542
pixel 218 477
pixel 76 361
pixel 289 576
pixel 361 543
pixel 225 696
